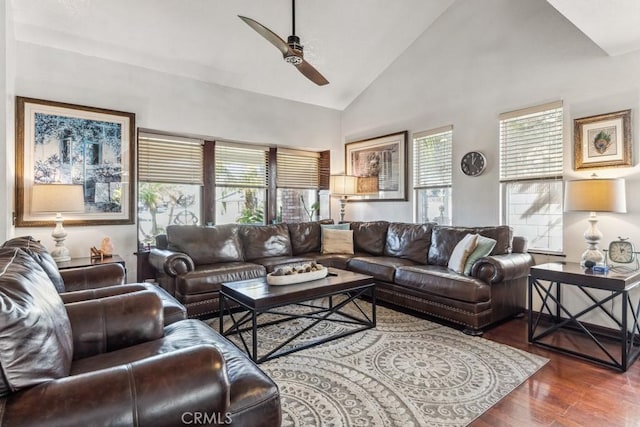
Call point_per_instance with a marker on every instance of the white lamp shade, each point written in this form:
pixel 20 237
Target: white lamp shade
pixel 57 198
pixel 343 185
pixel 595 195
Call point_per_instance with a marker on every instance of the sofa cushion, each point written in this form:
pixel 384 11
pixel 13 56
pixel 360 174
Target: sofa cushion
pixel 370 237
pixel 207 278
pixel 41 255
pixel 305 236
pixel 36 343
pixel 443 282
pixel 249 386
pixel 380 267
pixel 461 252
pixel 445 238
pixel 206 245
pixel 410 241
pixel 261 241
pixel 337 241
pixel 484 247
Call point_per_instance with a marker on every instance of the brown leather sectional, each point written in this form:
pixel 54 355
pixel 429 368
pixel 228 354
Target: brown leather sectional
pixel 409 262
pixel 111 360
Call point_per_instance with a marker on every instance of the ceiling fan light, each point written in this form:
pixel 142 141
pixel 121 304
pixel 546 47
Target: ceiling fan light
pixel 293 59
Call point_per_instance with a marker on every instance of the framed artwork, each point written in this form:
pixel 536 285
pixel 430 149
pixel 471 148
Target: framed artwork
pixel 603 141
pixel 384 158
pixel 74 144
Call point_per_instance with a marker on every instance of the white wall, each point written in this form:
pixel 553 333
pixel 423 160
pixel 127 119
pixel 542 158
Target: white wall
pixel 162 102
pixel 6 113
pixel 478 60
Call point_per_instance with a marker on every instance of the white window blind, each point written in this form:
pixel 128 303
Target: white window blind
pixel 297 169
pixel 243 166
pixel 531 143
pixel 432 158
pixel 169 159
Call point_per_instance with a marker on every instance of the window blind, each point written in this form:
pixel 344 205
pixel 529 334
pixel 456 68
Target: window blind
pixel 169 159
pixel 239 165
pixel 531 143
pixel 297 169
pixel 432 158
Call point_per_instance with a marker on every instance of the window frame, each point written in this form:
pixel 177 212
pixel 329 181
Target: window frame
pixel 152 174
pixel 208 189
pixel 446 181
pixel 550 169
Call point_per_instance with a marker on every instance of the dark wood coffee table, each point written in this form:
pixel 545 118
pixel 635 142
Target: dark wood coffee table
pixel 256 297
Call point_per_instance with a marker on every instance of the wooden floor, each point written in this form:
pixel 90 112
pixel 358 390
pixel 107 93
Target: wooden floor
pixel 566 391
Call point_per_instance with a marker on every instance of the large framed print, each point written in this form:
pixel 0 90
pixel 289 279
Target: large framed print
pixel 73 144
pixel 603 141
pixel 384 157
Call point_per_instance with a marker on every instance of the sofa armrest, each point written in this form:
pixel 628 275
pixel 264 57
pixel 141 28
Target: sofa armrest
pixel 95 276
pixel 107 291
pixel 498 268
pixel 153 391
pixel 171 262
pixel 107 324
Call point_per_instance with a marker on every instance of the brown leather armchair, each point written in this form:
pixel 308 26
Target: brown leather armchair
pixel 96 281
pixel 111 361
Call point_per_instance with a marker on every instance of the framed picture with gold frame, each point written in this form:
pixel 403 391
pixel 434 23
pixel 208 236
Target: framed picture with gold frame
pixel 73 144
pixel 603 141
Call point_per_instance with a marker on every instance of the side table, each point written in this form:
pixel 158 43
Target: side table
pixel 88 261
pixel 548 282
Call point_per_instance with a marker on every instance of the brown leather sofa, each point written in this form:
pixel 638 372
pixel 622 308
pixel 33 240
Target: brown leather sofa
pixel 96 281
pixel 409 262
pixel 111 361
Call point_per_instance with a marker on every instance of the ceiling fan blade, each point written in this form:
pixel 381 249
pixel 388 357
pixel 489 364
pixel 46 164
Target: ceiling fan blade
pixel 272 37
pixel 311 73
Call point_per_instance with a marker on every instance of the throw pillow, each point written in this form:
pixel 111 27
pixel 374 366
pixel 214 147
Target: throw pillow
pixel 484 248
pixel 337 241
pixel 461 252
pixel 335 226
pixel 323 227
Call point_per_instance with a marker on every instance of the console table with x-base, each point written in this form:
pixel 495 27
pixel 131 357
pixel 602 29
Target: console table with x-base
pixel 548 281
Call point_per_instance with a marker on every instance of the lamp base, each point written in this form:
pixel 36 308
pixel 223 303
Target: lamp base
pixel 592 236
pixel 592 256
pixel 60 253
pixel 343 204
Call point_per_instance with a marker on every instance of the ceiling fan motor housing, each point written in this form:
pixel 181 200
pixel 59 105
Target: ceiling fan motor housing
pixel 294 56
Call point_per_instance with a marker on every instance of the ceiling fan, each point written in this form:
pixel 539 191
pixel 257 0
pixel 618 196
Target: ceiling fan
pixel 291 49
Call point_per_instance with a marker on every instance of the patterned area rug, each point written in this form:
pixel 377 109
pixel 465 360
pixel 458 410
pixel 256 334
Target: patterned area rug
pixel 405 372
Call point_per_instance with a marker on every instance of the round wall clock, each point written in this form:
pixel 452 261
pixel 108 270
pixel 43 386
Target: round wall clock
pixel 473 163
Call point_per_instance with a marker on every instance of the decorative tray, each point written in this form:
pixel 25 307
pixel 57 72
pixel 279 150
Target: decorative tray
pixel 285 275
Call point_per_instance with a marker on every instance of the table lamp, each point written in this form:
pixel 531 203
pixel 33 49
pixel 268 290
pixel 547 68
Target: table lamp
pixel 594 195
pixel 343 186
pixel 58 198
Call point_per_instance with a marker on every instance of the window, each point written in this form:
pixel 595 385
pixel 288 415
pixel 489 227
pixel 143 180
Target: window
pixel 169 183
pixel 193 181
pixel 432 158
pixel 531 174
pixel 241 181
pixel 297 182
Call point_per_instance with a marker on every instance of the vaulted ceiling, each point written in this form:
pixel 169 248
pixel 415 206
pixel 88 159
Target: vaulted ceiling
pixel 351 42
